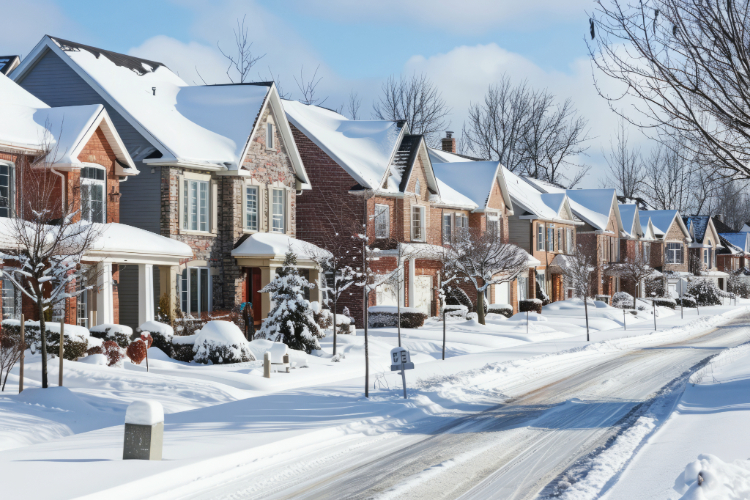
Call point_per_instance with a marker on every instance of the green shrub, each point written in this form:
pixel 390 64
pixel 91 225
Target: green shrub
pixel 75 345
pixel 706 292
pixel 387 316
pixel 665 302
pixel 183 352
pixel 504 309
pixel 530 305
pixel 119 333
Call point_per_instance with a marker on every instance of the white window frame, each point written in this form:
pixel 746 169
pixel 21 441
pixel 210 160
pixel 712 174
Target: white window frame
pixel 277 224
pixel 676 252
pixel 9 210
pixel 86 210
pixel 494 220
pixel 447 229
pixel 569 243
pixel 247 212
pixel 185 280
pixel 270 143
pixel 540 237
pixel 382 221
pixel 12 300
pixel 550 241
pixel 418 209
pixel 196 195
pixel 417 188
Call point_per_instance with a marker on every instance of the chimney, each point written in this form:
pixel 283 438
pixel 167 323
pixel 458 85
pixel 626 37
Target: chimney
pixel 448 142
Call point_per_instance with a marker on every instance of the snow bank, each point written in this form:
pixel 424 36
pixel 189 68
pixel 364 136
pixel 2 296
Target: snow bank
pixel 156 327
pixel 73 332
pixel 94 359
pixel 711 478
pixel 393 309
pixel 144 413
pixel 110 329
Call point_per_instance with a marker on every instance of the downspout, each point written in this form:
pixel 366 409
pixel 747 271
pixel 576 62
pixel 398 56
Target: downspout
pixel 62 189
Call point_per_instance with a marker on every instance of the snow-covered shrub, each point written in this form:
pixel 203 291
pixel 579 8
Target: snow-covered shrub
pixel 108 331
pixel 504 309
pixel 530 305
pixel 455 296
pixel 664 302
pixel 655 287
pixel 112 352
pixel 183 352
pixel 136 351
pixel 344 324
pixel 456 311
pixel 323 317
pixel 161 333
pixel 686 301
pixel 622 300
pixel 472 316
pixel 291 320
pixel 221 342
pixel 97 349
pixel 76 337
pixel 706 292
pixel 541 294
pixel 384 316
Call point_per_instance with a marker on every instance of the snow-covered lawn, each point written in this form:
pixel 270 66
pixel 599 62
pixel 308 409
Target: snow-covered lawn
pixel 223 417
pixel 706 434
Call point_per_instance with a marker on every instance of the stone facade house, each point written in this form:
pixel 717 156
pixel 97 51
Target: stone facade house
pixel 543 224
pixel 76 153
pixel 219 166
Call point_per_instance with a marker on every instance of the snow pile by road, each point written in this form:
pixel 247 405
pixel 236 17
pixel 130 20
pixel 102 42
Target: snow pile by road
pixel 710 478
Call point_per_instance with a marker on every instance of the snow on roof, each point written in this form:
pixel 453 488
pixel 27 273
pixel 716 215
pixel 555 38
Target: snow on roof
pixel 590 205
pixel 697 224
pixel 738 240
pixel 440 156
pixel 273 245
pixel 451 197
pixel 543 205
pixel 661 219
pixel 473 179
pixel 118 238
pixel 364 148
pixel 28 124
pixel 630 220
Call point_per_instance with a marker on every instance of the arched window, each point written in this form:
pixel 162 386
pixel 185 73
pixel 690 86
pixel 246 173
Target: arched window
pixel 93 193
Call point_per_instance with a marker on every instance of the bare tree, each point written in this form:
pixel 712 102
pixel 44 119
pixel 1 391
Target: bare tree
pixel 277 80
pixel 527 132
pixel 308 87
pixel 45 246
pixel 668 179
pixel 243 60
pixel 626 171
pixel 483 260
pixel 578 270
pixel 685 64
pixel 634 269
pixel 11 349
pixel 353 104
pixel 418 101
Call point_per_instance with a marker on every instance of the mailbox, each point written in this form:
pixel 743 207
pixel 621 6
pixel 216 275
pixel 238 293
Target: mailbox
pixel 400 359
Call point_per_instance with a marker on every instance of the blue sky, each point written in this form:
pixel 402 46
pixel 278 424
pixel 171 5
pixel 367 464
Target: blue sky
pixel 462 46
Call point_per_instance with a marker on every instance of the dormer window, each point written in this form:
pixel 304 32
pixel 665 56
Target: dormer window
pixel 269 135
pixel 6 190
pixel 93 189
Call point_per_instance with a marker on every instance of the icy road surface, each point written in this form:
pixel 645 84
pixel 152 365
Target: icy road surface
pixel 512 451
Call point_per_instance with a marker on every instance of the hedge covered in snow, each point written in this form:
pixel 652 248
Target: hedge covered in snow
pixel 221 342
pixel 385 316
pixel 705 291
pixel 77 338
pixel 456 311
pixel 108 331
pixel 504 309
pixel 664 302
pixel 622 300
pixel 162 335
pixel 530 305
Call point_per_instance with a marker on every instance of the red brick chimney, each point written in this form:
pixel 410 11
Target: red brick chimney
pixel 449 142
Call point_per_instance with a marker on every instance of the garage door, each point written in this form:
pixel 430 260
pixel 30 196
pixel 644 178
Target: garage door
pixel 423 294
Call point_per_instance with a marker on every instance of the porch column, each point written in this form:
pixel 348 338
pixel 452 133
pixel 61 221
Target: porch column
pixel 410 281
pixel 104 303
pixel 145 293
pixel 168 286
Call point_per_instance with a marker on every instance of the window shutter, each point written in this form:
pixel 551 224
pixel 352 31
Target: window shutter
pixel 181 202
pixel 214 207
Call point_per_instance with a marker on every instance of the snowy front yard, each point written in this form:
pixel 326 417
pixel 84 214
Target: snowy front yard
pixel 224 418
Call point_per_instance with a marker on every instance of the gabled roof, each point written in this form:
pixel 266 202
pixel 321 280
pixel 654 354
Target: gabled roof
pixel 458 178
pixel 697 225
pixel 473 179
pixel 529 202
pixel 364 148
pixel 663 220
pixel 27 125
pixel 649 232
pixel 449 197
pixel 631 222
pixel 8 64
pixel 206 126
pixel 740 241
pixel 720 226
pixel 593 206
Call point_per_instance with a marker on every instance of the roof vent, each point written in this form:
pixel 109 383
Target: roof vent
pixel 153 89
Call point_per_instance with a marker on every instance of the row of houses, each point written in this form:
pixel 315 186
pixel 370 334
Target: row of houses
pixel 202 189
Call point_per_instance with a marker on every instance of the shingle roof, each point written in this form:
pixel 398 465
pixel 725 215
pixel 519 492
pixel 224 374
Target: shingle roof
pixel 8 63
pixel 698 225
pixel 136 64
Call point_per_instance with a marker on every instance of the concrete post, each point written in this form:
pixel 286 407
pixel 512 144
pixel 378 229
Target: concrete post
pixel 144 431
pixel 267 365
pixel 145 293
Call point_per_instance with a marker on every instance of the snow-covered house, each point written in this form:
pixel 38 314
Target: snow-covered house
pixel 671 256
pixel 543 224
pixel 600 234
pixel 218 166
pixel 736 251
pixel 703 248
pixel 87 164
pixel 638 242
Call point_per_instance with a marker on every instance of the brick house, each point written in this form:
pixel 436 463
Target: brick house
pixel 734 255
pixel 638 242
pixel 219 166
pixel 671 256
pixel 483 183
pixel 86 165
pixel 543 224
pixel 600 234
pixel 703 249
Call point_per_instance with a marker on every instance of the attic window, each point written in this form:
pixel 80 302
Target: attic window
pixel 417 188
pixel 269 135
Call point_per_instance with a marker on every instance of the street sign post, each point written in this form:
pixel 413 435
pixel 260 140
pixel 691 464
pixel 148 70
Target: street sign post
pixel 400 360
